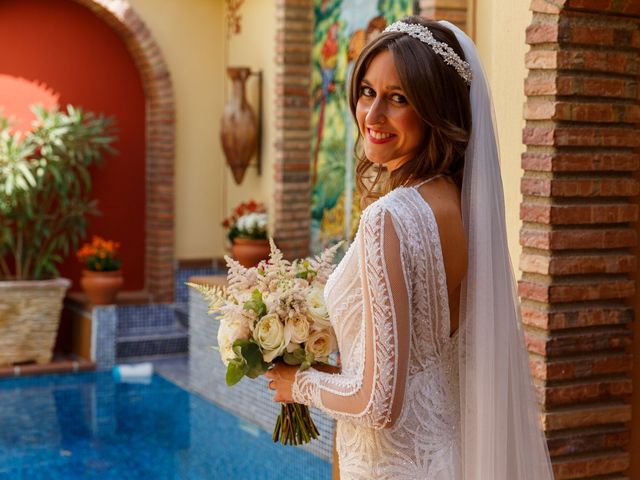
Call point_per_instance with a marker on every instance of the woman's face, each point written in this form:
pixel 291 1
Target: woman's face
pixel 392 131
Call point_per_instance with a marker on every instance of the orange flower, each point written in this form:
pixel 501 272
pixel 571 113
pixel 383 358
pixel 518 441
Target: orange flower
pixel 100 254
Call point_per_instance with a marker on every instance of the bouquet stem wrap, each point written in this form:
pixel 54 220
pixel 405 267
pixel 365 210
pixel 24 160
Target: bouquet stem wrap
pixel 294 425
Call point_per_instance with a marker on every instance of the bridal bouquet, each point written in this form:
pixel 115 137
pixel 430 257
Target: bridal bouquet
pixel 271 313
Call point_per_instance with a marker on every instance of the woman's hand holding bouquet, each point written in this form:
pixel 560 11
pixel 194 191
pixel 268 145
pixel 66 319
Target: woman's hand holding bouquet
pixel 270 314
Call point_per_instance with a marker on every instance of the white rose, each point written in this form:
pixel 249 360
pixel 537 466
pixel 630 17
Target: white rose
pixel 229 332
pixel 298 327
pixel 269 333
pixel 321 343
pixel 317 308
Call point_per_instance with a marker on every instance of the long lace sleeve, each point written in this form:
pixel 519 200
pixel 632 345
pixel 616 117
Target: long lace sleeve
pixel 372 394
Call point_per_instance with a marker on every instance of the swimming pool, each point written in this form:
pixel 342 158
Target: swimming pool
pixel 87 426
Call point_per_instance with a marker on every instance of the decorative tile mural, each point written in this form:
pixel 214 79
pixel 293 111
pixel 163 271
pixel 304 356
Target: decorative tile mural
pixel 342 29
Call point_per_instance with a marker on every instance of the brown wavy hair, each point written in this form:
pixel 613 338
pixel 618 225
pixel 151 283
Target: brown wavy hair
pixel 439 96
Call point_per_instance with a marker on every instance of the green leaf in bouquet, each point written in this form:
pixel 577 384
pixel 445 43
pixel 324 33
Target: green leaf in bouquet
pixel 256 366
pixel 304 270
pixel 250 356
pixel 308 360
pixel 237 347
pixel 294 358
pixel 235 371
pixel 256 304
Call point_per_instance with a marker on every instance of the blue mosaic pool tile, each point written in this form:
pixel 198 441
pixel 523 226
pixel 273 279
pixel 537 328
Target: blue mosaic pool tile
pixel 168 344
pixel 103 336
pixel 138 318
pixel 87 427
pixel 130 331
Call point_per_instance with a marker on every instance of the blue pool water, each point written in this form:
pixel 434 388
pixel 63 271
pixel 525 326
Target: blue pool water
pixel 87 426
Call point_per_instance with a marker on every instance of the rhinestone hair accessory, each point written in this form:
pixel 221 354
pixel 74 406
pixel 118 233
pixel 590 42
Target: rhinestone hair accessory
pixel 447 53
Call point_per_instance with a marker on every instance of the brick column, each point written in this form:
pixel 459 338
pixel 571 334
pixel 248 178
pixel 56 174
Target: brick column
pixel 292 181
pixel 455 11
pixel 582 138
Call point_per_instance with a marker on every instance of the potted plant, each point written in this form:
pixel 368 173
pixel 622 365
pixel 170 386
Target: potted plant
pixel 101 277
pixel 247 232
pixel 45 188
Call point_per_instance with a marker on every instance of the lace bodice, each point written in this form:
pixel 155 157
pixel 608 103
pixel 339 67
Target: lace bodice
pixel 396 398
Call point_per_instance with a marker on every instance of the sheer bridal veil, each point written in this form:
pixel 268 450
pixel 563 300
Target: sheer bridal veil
pixel 502 437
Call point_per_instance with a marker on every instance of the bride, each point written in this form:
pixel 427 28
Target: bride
pixel 434 382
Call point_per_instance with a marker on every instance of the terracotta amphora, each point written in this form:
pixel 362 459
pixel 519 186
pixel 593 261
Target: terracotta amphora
pixel 239 126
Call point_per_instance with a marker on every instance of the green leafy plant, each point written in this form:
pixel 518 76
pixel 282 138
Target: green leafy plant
pixel 45 188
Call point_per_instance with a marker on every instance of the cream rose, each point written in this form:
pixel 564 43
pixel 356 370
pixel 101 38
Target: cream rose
pixel 298 328
pixel 270 335
pixel 321 343
pixel 317 308
pixel 229 332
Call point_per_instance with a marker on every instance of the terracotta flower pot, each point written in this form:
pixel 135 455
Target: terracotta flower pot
pixel 101 287
pixel 249 252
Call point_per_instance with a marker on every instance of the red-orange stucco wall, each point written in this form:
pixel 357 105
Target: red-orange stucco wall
pixel 66 46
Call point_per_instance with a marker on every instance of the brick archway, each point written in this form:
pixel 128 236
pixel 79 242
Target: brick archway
pixel 160 137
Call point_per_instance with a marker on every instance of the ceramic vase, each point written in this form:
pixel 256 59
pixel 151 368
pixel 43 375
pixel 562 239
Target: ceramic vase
pixel 239 126
pixel 250 252
pixel 101 288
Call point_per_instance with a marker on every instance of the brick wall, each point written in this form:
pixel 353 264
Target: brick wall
pixel 292 181
pixel 582 137
pixel 160 133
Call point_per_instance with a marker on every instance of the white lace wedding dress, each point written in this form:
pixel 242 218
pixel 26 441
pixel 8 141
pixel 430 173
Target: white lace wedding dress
pixel 396 399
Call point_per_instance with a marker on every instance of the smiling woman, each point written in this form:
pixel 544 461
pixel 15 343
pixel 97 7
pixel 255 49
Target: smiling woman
pixel 392 130
pixel 411 112
pixel 434 379
pixel 399 263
